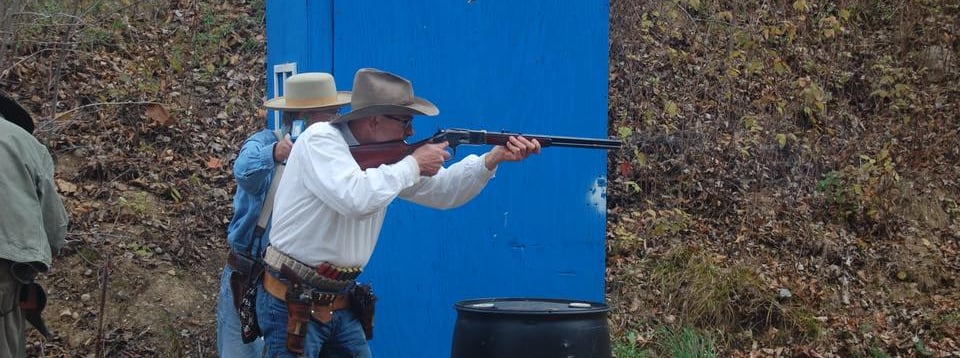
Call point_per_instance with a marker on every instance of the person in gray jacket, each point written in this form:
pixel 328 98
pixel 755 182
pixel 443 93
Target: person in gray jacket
pixel 33 224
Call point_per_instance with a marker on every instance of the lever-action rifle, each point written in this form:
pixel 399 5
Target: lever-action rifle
pixel 373 155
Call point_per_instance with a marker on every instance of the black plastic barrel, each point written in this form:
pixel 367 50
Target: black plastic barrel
pixel 530 328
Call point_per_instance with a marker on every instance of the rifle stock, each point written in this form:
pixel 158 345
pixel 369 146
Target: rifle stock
pixel 373 155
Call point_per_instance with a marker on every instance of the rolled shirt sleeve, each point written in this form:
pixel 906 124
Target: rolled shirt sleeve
pixel 255 162
pixel 453 186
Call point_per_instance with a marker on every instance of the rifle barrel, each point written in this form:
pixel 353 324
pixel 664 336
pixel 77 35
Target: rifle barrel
pixel 584 142
pixel 556 141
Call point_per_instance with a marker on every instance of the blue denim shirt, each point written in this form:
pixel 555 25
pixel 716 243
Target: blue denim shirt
pixel 253 171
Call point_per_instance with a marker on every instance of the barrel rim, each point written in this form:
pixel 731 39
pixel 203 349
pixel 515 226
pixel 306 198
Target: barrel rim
pixel 595 307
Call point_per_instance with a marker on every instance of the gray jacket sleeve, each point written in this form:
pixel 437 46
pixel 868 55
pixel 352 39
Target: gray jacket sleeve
pixel 54 214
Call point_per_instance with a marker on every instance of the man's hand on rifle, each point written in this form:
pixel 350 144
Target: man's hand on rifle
pixel 430 158
pixel 518 148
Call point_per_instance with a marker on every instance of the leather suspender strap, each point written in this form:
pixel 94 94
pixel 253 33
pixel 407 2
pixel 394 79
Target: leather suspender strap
pixel 267 209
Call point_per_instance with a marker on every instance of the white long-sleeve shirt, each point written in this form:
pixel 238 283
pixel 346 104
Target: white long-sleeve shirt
pixel 329 210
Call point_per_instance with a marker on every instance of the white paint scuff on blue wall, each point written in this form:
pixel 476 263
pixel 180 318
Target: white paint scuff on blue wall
pixel 597 196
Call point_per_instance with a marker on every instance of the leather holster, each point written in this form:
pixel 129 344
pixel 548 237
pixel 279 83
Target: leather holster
pixel 246 275
pixel 362 303
pixel 298 310
pixel 33 299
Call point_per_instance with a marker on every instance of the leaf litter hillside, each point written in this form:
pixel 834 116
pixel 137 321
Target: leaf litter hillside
pixel 790 183
pixel 143 106
pixel 788 187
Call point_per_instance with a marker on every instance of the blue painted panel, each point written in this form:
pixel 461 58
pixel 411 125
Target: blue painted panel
pixel 538 230
pixel 300 32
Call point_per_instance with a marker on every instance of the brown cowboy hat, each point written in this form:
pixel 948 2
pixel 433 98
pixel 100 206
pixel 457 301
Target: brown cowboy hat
pixel 378 92
pixel 309 90
pixel 13 112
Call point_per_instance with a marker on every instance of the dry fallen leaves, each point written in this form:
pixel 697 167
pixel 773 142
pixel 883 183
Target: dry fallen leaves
pixel 214 163
pixel 159 114
pixel 65 187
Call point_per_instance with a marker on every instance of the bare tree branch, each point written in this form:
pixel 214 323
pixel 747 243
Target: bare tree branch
pixel 25 58
pixel 103 104
pixel 55 81
pixel 7 27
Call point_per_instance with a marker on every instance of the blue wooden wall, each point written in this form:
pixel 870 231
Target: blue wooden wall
pixel 534 66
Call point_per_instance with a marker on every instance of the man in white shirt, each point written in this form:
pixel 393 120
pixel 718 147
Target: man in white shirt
pixel 328 213
pixel 308 98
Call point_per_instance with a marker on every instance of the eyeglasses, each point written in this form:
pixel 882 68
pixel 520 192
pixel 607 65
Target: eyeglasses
pixel 407 121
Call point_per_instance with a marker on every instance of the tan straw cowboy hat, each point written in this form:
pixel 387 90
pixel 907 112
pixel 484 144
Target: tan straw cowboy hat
pixel 378 92
pixel 309 90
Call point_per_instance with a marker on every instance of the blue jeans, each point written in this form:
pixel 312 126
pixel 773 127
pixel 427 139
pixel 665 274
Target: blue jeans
pixel 341 337
pixel 229 343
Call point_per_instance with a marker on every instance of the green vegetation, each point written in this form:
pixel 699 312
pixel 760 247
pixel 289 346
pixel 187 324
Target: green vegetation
pixel 685 343
pixel 682 342
pixel 626 347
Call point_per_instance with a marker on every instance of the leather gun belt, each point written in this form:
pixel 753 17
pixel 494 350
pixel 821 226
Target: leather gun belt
pixel 318 310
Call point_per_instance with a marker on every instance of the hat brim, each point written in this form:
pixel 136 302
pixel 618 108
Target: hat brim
pixel 419 106
pixel 280 103
pixel 15 113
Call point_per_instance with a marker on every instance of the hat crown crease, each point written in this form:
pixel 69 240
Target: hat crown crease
pixel 377 89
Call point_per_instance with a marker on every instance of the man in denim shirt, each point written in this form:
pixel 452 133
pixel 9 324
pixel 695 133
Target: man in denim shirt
pixel 311 97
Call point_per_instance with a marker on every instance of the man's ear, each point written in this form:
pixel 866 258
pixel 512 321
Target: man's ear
pixel 360 127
